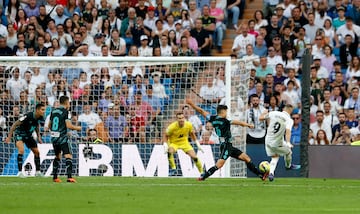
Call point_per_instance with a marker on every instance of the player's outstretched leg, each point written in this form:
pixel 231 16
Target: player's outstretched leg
pixel 250 165
pixel 56 165
pixel 208 173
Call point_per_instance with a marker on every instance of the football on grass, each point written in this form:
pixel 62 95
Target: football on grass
pixel 264 166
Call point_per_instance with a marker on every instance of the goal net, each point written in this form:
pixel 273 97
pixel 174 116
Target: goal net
pixel 124 106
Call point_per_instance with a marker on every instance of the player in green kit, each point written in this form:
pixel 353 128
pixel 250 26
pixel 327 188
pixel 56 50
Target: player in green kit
pixel 59 123
pixel 23 129
pixel 222 128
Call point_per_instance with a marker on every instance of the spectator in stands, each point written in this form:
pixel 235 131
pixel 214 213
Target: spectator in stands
pixel 263 69
pixel 95 49
pixel 319 124
pixel 340 20
pixel 322 72
pixel 209 92
pixel 348 51
pixel 175 9
pixel 251 59
pixel 193 119
pixel 116 44
pixel 242 40
pixel 279 74
pixel 252 31
pixel 343 137
pixel 194 13
pixel 337 127
pixel 124 98
pixel 13 116
pixel 88 117
pixel 329 59
pixel 137 86
pixel 234 9
pixel 138 30
pixel 296 129
pixel 71 8
pixel 353 11
pixel 353 72
pixel 11 39
pixel 137 126
pixel 321 138
pixel 219 16
pixel 121 11
pixel 37 78
pixel 257 134
pixel 311 27
pixel 32 9
pixel 16 84
pixel 143 109
pixel 202 37
pixel 290 61
pixel 205 138
pixel 184 49
pixel 58 50
pixel 349 28
pixel 332 12
pixel 96 87
pixel 259 20
pixel 164 46
pixel 353 101
pixel 60 17
pixel 126 24
pixel 333 104
pixel 287 39
pixel 4 49
pixel 329 117
pixel 272 58
pixel 351 121
pixel 116 123
pixel 210 128
pixel 144 49
pixel 260 48
pixel 300 42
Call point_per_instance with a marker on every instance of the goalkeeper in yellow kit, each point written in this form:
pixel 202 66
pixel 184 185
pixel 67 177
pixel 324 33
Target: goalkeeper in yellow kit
pixel 176 137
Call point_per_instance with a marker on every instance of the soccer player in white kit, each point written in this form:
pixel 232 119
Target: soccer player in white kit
pixel 279 125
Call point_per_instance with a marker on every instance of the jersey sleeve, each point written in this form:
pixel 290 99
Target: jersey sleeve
pixel 289 123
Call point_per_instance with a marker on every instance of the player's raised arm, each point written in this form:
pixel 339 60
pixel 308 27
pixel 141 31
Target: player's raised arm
pixel 197 108
pixel 12 129
pixel 242 123
pixel 69 125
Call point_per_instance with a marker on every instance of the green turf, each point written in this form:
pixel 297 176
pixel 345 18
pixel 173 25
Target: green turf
pixel 178 195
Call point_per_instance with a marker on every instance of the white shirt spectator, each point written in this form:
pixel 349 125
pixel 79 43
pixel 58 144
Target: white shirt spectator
pixel 315 127
pixel 241 41
pixel 147 51
pixel 90 119
pixel 166 51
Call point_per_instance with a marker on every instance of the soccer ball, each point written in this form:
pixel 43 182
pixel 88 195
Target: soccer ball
pixel 264 166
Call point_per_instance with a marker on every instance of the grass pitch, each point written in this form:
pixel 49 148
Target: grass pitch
pixel 178 195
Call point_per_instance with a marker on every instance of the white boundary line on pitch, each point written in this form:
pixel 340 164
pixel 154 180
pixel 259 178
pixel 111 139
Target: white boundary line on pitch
pixel 200 184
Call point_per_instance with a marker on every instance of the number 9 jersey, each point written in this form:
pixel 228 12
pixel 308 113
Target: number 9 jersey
pixel 278 123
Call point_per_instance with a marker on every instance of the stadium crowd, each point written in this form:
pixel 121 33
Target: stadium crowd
pixel 127 105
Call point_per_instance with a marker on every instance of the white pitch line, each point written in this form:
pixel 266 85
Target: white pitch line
pixel 202 184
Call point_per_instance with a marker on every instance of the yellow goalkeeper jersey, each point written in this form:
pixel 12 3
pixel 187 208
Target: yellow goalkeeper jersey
pixel 177 134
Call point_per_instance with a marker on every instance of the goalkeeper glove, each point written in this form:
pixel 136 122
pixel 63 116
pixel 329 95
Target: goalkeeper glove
pixel 198 146
pixel 166 147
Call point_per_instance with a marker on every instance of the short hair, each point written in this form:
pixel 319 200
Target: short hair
pixel 39 106
pixel 64 99
pixel 221 108
pixel 179 113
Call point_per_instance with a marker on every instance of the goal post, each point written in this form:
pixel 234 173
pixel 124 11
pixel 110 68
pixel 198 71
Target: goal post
pixel 129 102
